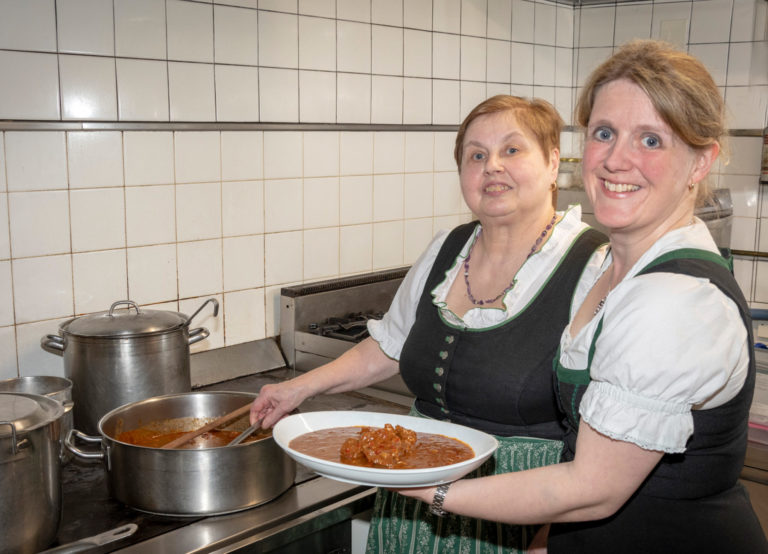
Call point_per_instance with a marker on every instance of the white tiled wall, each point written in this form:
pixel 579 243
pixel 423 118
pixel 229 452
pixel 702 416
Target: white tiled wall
pixel 170 217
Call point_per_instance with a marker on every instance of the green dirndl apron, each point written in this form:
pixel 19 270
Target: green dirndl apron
pixel 401 524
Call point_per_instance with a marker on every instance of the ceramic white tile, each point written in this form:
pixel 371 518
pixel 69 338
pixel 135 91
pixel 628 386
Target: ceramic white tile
pixel 500 19
pixel 564 19
pixel 353 10
pixel 745 156
pixel 419 235
pixel 321 153
pixel 446 56
pixel 83 147
pixel 142 90
pixel 545 93
pixel 588 60
pixel 140 28
pixel 278 40
pixel 492 89
pixel 498 61
pixel 152 275
pixel 39 223
pixel 236 97
pixel 321 202
pixel 28 25
pixel 545 24
pixel 419 151
pixel 671 22
pixel 320 8
pixel 761 282
pixel 6 294
pixel 759 72
pixel 356 200
pixel 353 104
pixel 88 89
pixel 97 219
pixel 206 320
pixel 386 99
pixel 417 14
pixel 282 154
pixel 243 262
pixel 707 20
pixel 9 367
pixel 745 19
pixel 564 105
pixel 444 146
pixel 283 205
pixel 191 92
pixel 743 231
pixel 5 239
pixel 473 58
pixel 714 57
pixel 418 195
pixel 564 68
pixel 278 95
pixel 544 65
pixel 33 360
pixel 317 97
pixel 448 200
pixel 197 156
pixel 356 152
pixel 521 90
pixel 321 253
pixel 3 187
pixel 743 270
pixel 355 249
pixel 743 103
pixel 744 194
pixel 283 257
pixel 387 12
pixel 242 155
pixel 242 208
pixel 150 215
pixel 198 211
pixel 244 316
pixel 42 288
pixel 23 152
pixel 523 13
pixel 417 101
pixel 417 48
pixel 317 43
pixel 387 50
pixel 471 95
pixel 235 35
pixel 200 268
pixel 387 244
pixel 272 303
pixel 474 17
pixel 148 157
pixel 388 197
pixel 30 86
pixel 739 64
pixel 85 27
pixel 388 152
pixel 353 47
pixel 242 3
pixel 446 16
pixel 290 6
pixel 190 31
pixel 522 63
pixel 446 103
pixel 597 26
pixel 100 278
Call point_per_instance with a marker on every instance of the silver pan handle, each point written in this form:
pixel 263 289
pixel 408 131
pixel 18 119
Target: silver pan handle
pixel 69 442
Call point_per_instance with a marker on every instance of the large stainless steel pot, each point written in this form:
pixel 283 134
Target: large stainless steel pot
pixel 30 471
pixel 122 356
pixel 187 482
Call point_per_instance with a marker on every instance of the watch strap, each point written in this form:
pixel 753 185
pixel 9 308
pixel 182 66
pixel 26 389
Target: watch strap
pixel 437 501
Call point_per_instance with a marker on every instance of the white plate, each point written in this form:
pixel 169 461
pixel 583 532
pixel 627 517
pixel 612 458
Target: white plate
pixel 292 426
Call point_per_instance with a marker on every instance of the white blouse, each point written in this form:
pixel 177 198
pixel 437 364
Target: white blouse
pixel 392 330
pixel 670 343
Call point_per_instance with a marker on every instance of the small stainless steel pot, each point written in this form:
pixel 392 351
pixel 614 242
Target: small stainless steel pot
pixel 187 482
pixel 122 356
pixel 30 471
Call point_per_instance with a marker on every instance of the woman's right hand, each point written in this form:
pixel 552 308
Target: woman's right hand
pixel 274 402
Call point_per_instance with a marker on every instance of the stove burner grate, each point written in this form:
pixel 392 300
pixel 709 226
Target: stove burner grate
pixel 351 328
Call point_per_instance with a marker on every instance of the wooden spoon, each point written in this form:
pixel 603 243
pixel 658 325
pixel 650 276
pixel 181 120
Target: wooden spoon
pixel 186 437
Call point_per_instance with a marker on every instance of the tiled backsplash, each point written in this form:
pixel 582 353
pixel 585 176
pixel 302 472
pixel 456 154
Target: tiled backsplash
pixel 167 216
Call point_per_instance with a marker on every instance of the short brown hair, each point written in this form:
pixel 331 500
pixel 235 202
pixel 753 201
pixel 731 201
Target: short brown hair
pixel 535 114
pixel 678 85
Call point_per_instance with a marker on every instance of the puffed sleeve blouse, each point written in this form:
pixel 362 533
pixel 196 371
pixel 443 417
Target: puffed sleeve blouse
pixel 669 344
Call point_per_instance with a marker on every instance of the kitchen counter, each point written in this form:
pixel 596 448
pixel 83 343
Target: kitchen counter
pixel 314 502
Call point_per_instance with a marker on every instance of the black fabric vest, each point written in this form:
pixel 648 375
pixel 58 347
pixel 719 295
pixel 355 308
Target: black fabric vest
pixel 498 379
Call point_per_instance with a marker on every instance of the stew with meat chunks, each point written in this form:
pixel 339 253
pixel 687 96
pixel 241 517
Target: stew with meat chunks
pixel 388 447
pixel 154 438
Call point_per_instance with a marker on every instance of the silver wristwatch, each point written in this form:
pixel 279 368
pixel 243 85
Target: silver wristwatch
pixel 437 502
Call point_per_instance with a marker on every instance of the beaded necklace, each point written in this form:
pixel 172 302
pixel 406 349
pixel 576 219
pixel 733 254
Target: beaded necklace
pixel 535 246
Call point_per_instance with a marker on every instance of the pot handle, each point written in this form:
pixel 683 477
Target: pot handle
pixel 215 310
pixel 196 335
pixel 53 343
pixel 15 446
pixel 129 302
pixel 69 443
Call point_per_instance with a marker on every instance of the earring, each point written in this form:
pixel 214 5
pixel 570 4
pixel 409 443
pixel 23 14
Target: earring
pixel 691 185
pixel 553 186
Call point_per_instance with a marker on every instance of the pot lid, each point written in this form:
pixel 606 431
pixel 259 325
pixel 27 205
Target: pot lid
pixel 27 412
pixel 126 322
